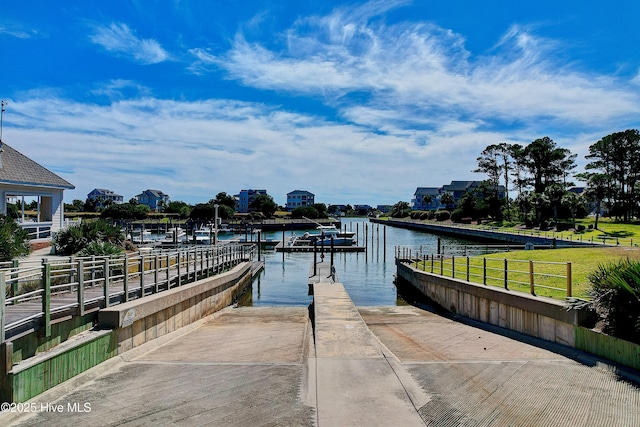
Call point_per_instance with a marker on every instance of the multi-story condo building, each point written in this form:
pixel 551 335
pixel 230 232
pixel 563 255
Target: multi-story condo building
pixel 298 198
pixel 246 197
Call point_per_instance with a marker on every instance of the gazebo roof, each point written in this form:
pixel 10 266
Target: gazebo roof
pixel 18 169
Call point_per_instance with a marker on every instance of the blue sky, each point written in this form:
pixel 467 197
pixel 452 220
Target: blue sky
pixel 357 102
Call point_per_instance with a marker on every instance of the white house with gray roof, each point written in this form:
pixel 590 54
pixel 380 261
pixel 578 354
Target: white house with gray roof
pixel 21 177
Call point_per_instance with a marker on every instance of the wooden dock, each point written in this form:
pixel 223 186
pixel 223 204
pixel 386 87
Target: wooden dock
pixel 282 247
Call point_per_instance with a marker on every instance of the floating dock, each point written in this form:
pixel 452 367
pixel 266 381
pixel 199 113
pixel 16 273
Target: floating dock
pixel 282 247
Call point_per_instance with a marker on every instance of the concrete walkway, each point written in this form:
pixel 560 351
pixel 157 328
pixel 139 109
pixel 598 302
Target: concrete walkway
pixel 370 366
pixel 356 384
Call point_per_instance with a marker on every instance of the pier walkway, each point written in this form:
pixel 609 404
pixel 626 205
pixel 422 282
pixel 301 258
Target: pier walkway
pixel 373 366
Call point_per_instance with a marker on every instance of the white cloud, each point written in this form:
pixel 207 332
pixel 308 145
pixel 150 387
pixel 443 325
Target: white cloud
pixel 426 69
pixel 18 31
pixel 193 150
pixel 120 39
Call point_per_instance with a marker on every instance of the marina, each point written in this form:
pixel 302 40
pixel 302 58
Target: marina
pixel 367 268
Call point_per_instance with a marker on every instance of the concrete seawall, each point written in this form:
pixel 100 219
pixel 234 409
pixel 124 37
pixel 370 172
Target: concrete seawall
pixel 482 235
pixel 139 321
pixel 121 328
pixel 538 317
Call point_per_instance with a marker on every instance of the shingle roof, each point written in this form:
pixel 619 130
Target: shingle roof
pixel 427 190
pixel 16 168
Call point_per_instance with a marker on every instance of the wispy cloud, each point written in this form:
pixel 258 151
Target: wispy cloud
pixel 18 31
pixel 120 39
pixel 193 150
pixel 425 70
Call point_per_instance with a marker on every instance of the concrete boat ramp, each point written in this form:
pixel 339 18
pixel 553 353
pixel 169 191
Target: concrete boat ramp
pixel 337 365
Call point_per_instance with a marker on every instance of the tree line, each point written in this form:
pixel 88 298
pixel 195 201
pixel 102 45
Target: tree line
pixel 540 173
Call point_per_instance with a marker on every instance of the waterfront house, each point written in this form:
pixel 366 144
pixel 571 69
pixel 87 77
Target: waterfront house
pixel 155 199
pixel 20 178
pixel 298 198
pixel 459 188
pixel 101 195
pixel 246 197
pixel 426 199
pixel 362 209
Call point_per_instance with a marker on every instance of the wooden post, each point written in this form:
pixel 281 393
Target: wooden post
pixel 155 273
pixel 569 292
pixel 506 279
pixel 141 275
pixel 46 299
pixel 195 265
pixel 14 284
pixel 106 283
pixel 531 281
pixel 178 268
pixel 484 271
pixel 453 266
pixel 168 272
pixel 468 268
pixel 208 258
pixel 125 278
pixel 3 285
pixel 80 287
pixel 259 244
pixel 188 265
pixel 384 243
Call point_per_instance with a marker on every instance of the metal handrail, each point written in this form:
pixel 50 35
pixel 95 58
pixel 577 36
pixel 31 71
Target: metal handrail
pixel 117 279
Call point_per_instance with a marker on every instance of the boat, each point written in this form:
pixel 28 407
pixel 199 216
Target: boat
pixel 203 235
pixel 141 237
pixel 174 236
pixel 327 233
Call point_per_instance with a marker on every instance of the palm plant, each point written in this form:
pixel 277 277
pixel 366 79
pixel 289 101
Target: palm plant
pixel 616 298
pixel 14 240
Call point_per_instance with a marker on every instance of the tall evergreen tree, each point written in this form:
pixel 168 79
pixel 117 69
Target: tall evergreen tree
pixel 617 157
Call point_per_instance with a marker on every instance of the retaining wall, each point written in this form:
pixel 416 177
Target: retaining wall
pixel 139 321
pixel 539 317
pixel 120 328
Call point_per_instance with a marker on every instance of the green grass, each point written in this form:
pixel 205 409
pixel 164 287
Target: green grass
pixel 550 269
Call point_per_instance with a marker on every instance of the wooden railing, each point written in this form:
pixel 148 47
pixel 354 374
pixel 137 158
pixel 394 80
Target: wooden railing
pixel 73 286
pixel 520 275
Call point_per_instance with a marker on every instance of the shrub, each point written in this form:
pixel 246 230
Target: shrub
pixel 305 211
pixel 580 227
pixel 14 240
pixel 457 215
pixel 75 238
pixel 616 298
pixel 425 215
pixel 100 249
pixel 442 215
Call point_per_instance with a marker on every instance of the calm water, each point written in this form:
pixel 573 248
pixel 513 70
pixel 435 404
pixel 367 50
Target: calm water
pixel 368 278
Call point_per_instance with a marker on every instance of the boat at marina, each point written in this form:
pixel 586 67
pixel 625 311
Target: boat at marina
pixel 141 237
pixel 328 233
pixel 174 236
pixel 203 235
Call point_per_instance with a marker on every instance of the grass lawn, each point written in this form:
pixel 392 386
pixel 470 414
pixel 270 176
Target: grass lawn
pixel 551 262
pixel 550 268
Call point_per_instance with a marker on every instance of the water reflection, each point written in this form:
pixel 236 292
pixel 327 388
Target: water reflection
pixel 367 276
